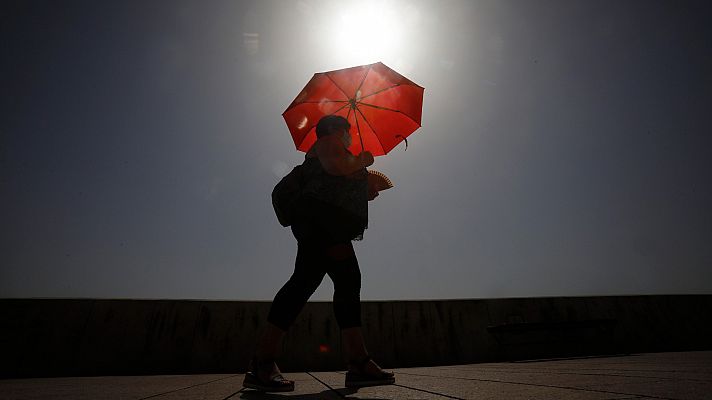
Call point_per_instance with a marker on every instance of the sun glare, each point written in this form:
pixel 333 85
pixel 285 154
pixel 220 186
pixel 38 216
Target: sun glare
pixel 366 32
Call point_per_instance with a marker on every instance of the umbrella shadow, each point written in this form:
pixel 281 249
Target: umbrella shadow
pixel 345 392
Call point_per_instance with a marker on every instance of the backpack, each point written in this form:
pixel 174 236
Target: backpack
pixel 286 195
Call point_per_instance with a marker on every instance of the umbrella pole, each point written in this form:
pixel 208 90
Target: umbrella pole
pixel 358 129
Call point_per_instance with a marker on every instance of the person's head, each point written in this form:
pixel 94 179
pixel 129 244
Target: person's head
pixel 333 125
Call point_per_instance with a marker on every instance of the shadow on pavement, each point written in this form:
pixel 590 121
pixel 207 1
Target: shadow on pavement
pixel 255 394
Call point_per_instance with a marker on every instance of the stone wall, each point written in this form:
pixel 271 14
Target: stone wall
pixel 65 337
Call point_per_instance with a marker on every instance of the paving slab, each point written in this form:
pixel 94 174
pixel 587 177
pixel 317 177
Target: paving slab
pixel 605 375
pixel 215 389
pixel 305 387
pixel 104 387
pixel 671 376
pixel 590 383
pixel 336 381
pixel 475 388
pixel 664 389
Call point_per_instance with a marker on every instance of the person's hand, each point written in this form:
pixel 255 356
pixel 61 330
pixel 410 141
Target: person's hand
pixel 366 158
pixel 372 195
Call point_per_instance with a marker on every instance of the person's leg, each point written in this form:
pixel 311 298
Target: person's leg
pixel 344 271
pixel 267 375
pixel 270 342
pixel 354 345
pixel 287 305
pixel 355 349
pixel 346 275
pixel 291 298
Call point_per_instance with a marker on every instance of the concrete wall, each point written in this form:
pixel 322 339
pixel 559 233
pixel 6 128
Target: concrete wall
pixel 63 337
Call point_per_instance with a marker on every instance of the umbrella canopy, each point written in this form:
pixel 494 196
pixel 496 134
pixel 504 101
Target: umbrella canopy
pixel 382 106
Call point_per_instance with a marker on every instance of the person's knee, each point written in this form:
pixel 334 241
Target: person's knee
pixel 301 284
pixel 290 300
pixel 347 296
pixel 348 292
pixel 340 252
pixel 292 289
pixel 348 289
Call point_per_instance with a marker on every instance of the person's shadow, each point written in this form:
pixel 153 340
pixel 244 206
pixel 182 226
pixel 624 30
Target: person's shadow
pixel 344 392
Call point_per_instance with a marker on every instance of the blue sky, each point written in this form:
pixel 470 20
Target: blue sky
pixel 565 147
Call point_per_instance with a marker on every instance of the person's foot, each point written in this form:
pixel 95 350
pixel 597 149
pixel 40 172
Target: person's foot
pixel 366 372
pixel 370 368
pixel 264 375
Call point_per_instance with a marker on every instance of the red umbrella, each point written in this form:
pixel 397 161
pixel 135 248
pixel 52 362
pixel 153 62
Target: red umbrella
pixel 382 106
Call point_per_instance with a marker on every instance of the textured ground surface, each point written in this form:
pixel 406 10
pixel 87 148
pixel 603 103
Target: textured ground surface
pixel 642 376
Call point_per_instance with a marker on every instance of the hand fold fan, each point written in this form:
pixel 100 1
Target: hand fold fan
pixel 378 181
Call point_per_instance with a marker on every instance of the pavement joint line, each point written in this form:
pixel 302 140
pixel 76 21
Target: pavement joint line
pixel 325 384
pixel 239 391
pixel 590 374
pixel 624 398
pixel 395 384
pixel 558 369
pixel 540 385
pixel 428 391
pixel 535 360
pixel 637 370
pixel 631 398
pixel 188 387
pixel 607 368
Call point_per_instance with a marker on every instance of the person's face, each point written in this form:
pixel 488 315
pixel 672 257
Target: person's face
pixel 346 137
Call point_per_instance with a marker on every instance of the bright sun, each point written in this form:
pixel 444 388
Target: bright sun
pixel 366 31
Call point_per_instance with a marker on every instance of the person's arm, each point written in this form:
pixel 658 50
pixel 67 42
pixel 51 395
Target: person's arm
pixel 336 160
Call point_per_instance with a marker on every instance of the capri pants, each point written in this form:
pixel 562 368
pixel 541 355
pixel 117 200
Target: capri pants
pixel 318 255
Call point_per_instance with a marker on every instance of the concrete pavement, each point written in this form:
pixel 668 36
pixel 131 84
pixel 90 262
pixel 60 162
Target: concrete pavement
pixel 683 375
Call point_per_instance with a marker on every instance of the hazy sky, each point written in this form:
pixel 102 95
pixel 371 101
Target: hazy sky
pixel 565 150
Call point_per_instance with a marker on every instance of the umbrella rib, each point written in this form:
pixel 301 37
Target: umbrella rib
pixel 363 80
pixel 337 86
pixel 381 91
pixel 372 130
pixel 388 109
pixel 378 107
pixel 340 108
pixel 323 101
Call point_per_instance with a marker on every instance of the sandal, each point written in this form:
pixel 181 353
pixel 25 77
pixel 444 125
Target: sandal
pixel 358 377
pixel 275 383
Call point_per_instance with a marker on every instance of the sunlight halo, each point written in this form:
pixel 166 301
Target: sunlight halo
pixel 363 32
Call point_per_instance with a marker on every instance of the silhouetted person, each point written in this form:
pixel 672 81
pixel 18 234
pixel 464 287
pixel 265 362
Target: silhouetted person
pixel 332 212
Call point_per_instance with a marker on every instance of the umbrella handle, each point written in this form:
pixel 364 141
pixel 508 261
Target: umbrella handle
pixel 405 140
